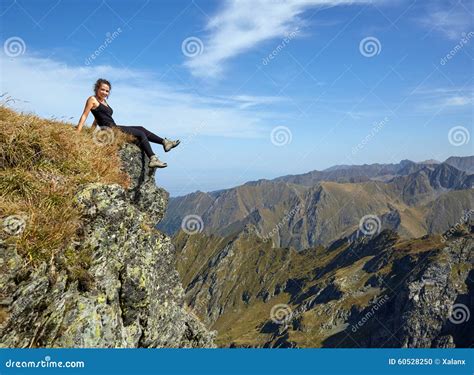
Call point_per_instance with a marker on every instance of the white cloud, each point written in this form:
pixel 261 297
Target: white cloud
pixel 428 103
pixel 458 101
pixel 440 97
pixel 51 88
pixel 243 24
pixel 451 19
pixel 247 101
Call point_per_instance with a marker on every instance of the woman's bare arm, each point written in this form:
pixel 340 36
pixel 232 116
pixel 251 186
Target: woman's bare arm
pixel 85 113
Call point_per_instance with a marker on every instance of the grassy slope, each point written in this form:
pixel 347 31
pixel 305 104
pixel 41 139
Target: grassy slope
pixel 42 164
pixel 242 323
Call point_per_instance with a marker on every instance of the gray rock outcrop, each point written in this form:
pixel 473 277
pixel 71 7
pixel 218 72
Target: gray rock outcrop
pixel 128 293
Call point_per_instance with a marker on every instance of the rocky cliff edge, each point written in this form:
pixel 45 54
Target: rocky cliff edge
pixel 127 292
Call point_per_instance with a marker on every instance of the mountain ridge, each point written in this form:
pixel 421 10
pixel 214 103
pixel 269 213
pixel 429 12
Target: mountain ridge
pixel 322 212
pixel 337 296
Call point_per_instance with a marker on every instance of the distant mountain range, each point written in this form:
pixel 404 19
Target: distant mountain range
pixel 353 256
pixel 465 164
pixel 319 207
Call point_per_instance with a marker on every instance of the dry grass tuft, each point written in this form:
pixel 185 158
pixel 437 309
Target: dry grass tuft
pixel 42 164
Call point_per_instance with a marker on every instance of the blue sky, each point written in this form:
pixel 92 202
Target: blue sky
pixel 254 89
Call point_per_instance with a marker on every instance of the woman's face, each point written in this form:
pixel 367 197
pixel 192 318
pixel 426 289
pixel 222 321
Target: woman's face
pixel 103 91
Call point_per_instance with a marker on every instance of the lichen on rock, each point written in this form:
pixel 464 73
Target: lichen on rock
pixel 128 293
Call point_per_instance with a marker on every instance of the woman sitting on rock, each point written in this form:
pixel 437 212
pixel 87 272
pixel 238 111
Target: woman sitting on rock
pixel 103 117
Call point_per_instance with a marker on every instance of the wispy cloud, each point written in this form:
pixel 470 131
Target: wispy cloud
pixel 444 97
pixel 243 24
pixel 451 19
pixel 52 88
pixel 458 101
pixel 247 101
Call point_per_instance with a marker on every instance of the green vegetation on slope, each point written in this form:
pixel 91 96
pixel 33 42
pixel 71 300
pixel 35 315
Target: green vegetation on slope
pixel 233 283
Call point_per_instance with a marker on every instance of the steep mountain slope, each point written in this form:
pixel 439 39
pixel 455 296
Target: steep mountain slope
pixel 465 163
pixel 223 210
pixel 372 291
pixel 115 283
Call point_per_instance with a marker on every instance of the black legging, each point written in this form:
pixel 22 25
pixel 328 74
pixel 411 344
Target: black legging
pixel 144 136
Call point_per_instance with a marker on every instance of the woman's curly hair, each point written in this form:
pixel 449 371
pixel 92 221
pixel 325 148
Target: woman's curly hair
pixel 99 82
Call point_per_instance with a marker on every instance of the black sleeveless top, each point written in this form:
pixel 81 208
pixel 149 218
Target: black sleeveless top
pixel 103 115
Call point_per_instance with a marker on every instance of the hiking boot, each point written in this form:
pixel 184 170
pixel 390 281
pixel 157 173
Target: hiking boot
pixel 168 144
pixel 156 163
